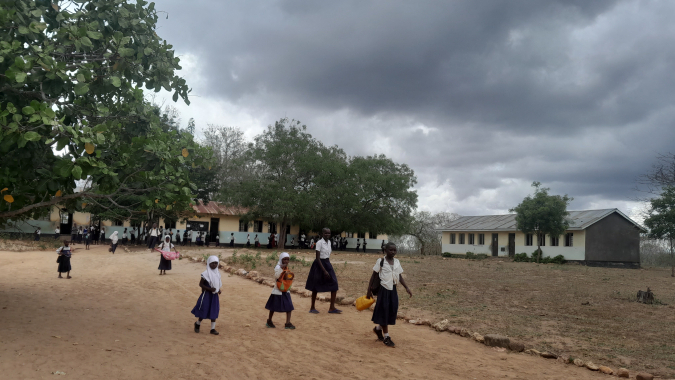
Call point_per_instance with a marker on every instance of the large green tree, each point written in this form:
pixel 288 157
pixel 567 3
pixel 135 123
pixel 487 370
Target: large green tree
pixel 541 214
pixel 72 107
pixel 661 220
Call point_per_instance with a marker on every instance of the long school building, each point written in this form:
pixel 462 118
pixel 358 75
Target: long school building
pixel 595 237
pixel 223 221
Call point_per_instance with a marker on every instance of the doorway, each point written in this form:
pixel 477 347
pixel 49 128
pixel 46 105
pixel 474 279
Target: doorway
pixel 66 226
pixel 214 228
pixel 512 245
pixel 495 244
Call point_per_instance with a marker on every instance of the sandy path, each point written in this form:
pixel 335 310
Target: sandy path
pixel 117 319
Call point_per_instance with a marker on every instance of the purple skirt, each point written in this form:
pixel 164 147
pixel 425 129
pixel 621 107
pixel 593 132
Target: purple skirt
pixel 316 282
pixel 207 307
pixel 281 303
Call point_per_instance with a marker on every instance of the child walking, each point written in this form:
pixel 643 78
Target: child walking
pixel 64 259
pixel 389 273
pixel 321 276
pixel 113 241
pixel 278 301
pixel 164 264
pixel 208 303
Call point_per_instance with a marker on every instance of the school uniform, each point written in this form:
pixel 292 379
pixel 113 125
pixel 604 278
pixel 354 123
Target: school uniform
pixel 208 303
pixel 257 242
pixel 386 307
pixel 316 282
pixel 248 241
pixel 102 235
pixel 278 301
pixel 154 234
pixel 185 237
pixel 231 241
pixel 364 245
pixel 37 235
pixel 218 240
pixel 57 233
pixel 64 260
pixel 164 264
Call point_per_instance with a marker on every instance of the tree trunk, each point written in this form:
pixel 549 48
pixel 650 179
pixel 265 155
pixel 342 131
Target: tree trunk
pixel 422 247
pixel 281 242
pixel 539 253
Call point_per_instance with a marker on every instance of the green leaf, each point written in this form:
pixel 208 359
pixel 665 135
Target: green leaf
pixel 100 138
pixel 23 30
pixel 116 81
pixel 31 136
pixel 20 77
pixel 28 110
pixel 80 77
pixel 95 35
pixel 22 142
pixel 86 41
pixel 77 172
pixel 81 88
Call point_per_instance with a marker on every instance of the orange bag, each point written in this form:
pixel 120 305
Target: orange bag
pixel 362 303
pixel 285 281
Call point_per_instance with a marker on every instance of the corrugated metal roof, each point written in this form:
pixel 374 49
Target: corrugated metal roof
pixel 579 220
pixel 217 208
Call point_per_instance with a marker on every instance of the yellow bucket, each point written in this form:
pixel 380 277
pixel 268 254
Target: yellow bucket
pixel 362 303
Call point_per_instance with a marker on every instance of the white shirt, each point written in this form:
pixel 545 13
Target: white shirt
pixel 154 232
pixel 324 249
pixel 164 246
pixel 57 230
pixel 124 235
pixel 388 275
pixel 277 273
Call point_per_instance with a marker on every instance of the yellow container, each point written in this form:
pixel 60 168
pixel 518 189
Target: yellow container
pixel 362 303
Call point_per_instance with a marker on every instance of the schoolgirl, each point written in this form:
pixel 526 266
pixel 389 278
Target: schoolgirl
pixel 164 264
pixel 257 241
pixel 218 240
pixel 185 237
pixel 64 259
pixel 232 240
pixel 87 237
pixel 113 241
pixel 152 239
pixel 248 241
pixel 321 276
pixel 37 234
pixel 57 233
pixel 79 234
pixel 311 243
pixel 278 301
pixel 102 235
pixel 208 303
pixel 365 242
pixel 358 244
pixel 177 237
pixel 133 235
pixel 389 273
pixel 207 240
pixel 125 237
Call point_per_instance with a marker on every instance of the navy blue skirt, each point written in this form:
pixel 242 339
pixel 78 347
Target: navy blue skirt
pixel 64 265
pixel 281 303
pixel 386 307
pixel 207 307
pixel 164 264
pixel 316 282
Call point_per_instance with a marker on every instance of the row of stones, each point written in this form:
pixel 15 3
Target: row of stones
pixel 491 340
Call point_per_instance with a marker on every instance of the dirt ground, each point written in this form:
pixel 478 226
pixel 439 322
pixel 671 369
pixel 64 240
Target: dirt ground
pixel 571 310
pixel 117 319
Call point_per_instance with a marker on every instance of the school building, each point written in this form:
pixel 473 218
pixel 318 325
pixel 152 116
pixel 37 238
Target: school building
pixel 217 219
pixel 595 237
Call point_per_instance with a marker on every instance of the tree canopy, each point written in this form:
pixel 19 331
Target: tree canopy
pixel 661 219
pixel 542 213
pixel 73 113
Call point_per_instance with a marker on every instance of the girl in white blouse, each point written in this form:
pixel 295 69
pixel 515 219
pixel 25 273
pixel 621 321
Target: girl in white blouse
pixel 389 273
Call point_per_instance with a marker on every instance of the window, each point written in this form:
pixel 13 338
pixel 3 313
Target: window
pixel 555 241
pixel 243 226
pixel 272 228
pixel 528 239
pixel 452 239
pixel 461 238
pixel 197 226
pixel 569 240
pixel 541 239
pixel 350 234
pixel 372 236
pixel 65 218
pixel 361 235
pixel 288 230
pixel 472 238
pixel 118 222
pixel 481 239
pixel 257 226
pixel 170 224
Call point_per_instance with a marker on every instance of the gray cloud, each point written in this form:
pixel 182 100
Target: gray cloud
pixel 480 98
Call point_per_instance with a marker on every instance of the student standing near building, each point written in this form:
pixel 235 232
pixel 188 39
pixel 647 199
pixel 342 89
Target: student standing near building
pixel 257 241
pixel 177 237
pixel 248 241
pixel 382 247
pixel 218 239
pixel 164 264
pixel 64 259
pixel 80 231
pixel 73 234
pixel 57 233
pixel 321 276
pixel 185 237
pixel 388 272
pixel 154 233
pixel 358 244
pixel 365 242
pixel 87 237
pixel 232 240
pixel 125 237
pixel 113 241
pixel 37 234
pixel 280 301
pixel 102 235
pixel 208 304
pixel 302 240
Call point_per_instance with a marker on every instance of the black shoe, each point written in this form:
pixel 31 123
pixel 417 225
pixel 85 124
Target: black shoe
pixel 380 337
pixel 214 332
pixel 269 324
pixel 196 327
pixel 388 342
pixel 289 326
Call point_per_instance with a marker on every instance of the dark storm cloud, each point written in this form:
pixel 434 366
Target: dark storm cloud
pixel 474 95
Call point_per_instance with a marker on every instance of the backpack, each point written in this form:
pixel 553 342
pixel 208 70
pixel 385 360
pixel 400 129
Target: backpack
pixel 285 281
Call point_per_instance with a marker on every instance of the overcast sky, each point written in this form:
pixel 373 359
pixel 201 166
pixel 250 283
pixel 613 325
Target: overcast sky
pixel 480 98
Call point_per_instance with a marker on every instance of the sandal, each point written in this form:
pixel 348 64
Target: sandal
pixel 196 327
pixel 388 342
pixel 269 324
pixel 379 334
pixel 289 326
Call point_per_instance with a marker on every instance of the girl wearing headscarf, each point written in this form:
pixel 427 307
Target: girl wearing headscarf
pixel 113 241
pixel 208 303
pixel 164 264
pixel 279 301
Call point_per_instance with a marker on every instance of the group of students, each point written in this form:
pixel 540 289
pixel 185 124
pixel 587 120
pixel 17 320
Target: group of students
pixel 387 274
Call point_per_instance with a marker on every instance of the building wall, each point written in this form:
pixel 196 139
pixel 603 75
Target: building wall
pixel 613 239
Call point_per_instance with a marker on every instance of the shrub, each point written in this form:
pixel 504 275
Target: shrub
pixel 521 258
pixel 535 254
pixel 470 255
pixel 560 259
pixel 481 256
pixel 447 254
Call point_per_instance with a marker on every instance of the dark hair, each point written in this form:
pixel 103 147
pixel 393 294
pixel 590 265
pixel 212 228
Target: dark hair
pixel 389 244
pixel 324 229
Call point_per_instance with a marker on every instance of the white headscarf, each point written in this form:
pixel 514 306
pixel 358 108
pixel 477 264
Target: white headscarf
pixel 212 275
pixel 166 244
pixel 281 257
pixel 113 237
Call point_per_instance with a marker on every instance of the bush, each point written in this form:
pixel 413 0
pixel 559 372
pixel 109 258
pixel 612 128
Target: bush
pixel 560 259
pixel 521 258
pixel 535 254
pixel 470 255
pixel 447 254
